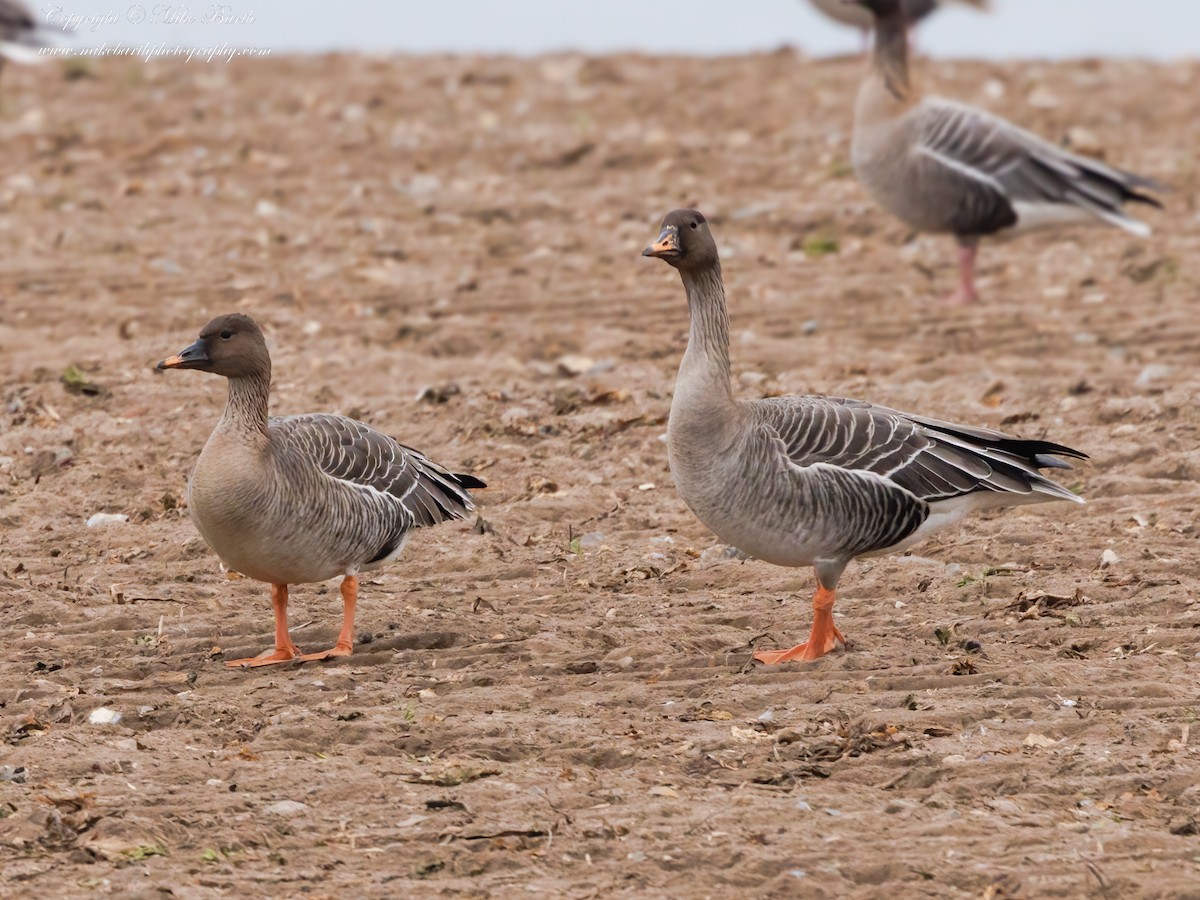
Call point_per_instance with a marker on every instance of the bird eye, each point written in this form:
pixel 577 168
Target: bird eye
pixel 226 334
pixel 695 225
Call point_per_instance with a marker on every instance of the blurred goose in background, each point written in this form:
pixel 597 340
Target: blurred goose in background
pixel 818 481
pixel 19 35
pixel 297 499
pixel 943 167
pixel 913 11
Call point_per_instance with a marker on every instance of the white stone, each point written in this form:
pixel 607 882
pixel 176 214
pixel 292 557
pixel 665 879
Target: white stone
pixel 106 519
pixel 285 808
pixel 104 716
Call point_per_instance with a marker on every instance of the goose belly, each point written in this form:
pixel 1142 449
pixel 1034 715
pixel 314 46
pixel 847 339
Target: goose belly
pixel 282 536
pixel 759 530
pixel 900 184
pixel 901 198
pixel 261 545
pixel 778 546
pixel 800 515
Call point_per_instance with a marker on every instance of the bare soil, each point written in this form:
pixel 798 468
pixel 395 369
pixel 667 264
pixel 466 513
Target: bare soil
pixel 564 703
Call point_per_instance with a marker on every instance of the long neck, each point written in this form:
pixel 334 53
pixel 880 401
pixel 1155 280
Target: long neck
pixel 246 408
pixel 706 362
pixel 890 60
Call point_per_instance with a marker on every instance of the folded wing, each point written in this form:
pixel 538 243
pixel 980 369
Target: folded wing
pixel 357 454
pixel 989 174
pixel 931 460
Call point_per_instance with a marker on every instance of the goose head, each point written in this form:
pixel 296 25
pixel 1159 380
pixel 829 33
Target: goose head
pixel 231 345
pixel 685 241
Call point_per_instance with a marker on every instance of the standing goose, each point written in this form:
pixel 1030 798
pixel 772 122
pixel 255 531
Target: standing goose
pixel 817 481
pixel 943 167
pixel 297 499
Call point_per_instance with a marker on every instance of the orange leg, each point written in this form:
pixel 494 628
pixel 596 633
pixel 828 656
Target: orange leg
pixel 345 641
pixel 823 638
pixel 284 648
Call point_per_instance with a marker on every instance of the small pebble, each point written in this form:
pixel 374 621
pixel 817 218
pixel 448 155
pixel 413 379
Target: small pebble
pixel 1004 805
pixel 574 364
pixel 167 265
pixel 1080 140
pixel 718 554
pixel 104 716
pixel 285 808
pixel 1152 373
pixel 106 519
pixel 1038 740
pixel 1041 97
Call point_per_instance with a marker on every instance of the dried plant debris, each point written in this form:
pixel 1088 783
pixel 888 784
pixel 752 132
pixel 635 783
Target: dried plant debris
pixel 1037 604
pixel 450 776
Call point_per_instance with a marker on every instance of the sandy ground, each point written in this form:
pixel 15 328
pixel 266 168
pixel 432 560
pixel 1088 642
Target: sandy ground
pixel 559 700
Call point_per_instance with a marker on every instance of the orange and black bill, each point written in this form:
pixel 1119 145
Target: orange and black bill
pixel 667 245
pixel 194 356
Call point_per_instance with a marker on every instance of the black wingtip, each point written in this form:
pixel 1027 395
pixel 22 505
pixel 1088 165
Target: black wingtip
pixel 1135 197
pixel 1059 450
pixel 470 481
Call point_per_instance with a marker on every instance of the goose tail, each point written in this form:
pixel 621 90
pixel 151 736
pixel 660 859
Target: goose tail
pixel 1014 462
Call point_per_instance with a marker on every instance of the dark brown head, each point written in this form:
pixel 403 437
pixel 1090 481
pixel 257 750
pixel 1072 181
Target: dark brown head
pixel 882 9
pixel 684 241
pixel 231 345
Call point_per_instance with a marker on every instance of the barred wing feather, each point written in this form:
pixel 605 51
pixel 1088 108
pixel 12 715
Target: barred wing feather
pixel 996 173
pixel 927 458
pixel 353 452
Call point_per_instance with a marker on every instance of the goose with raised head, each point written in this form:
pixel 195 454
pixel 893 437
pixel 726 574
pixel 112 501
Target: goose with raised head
pixel 946 168
pixel 303 498
pixel 817 481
